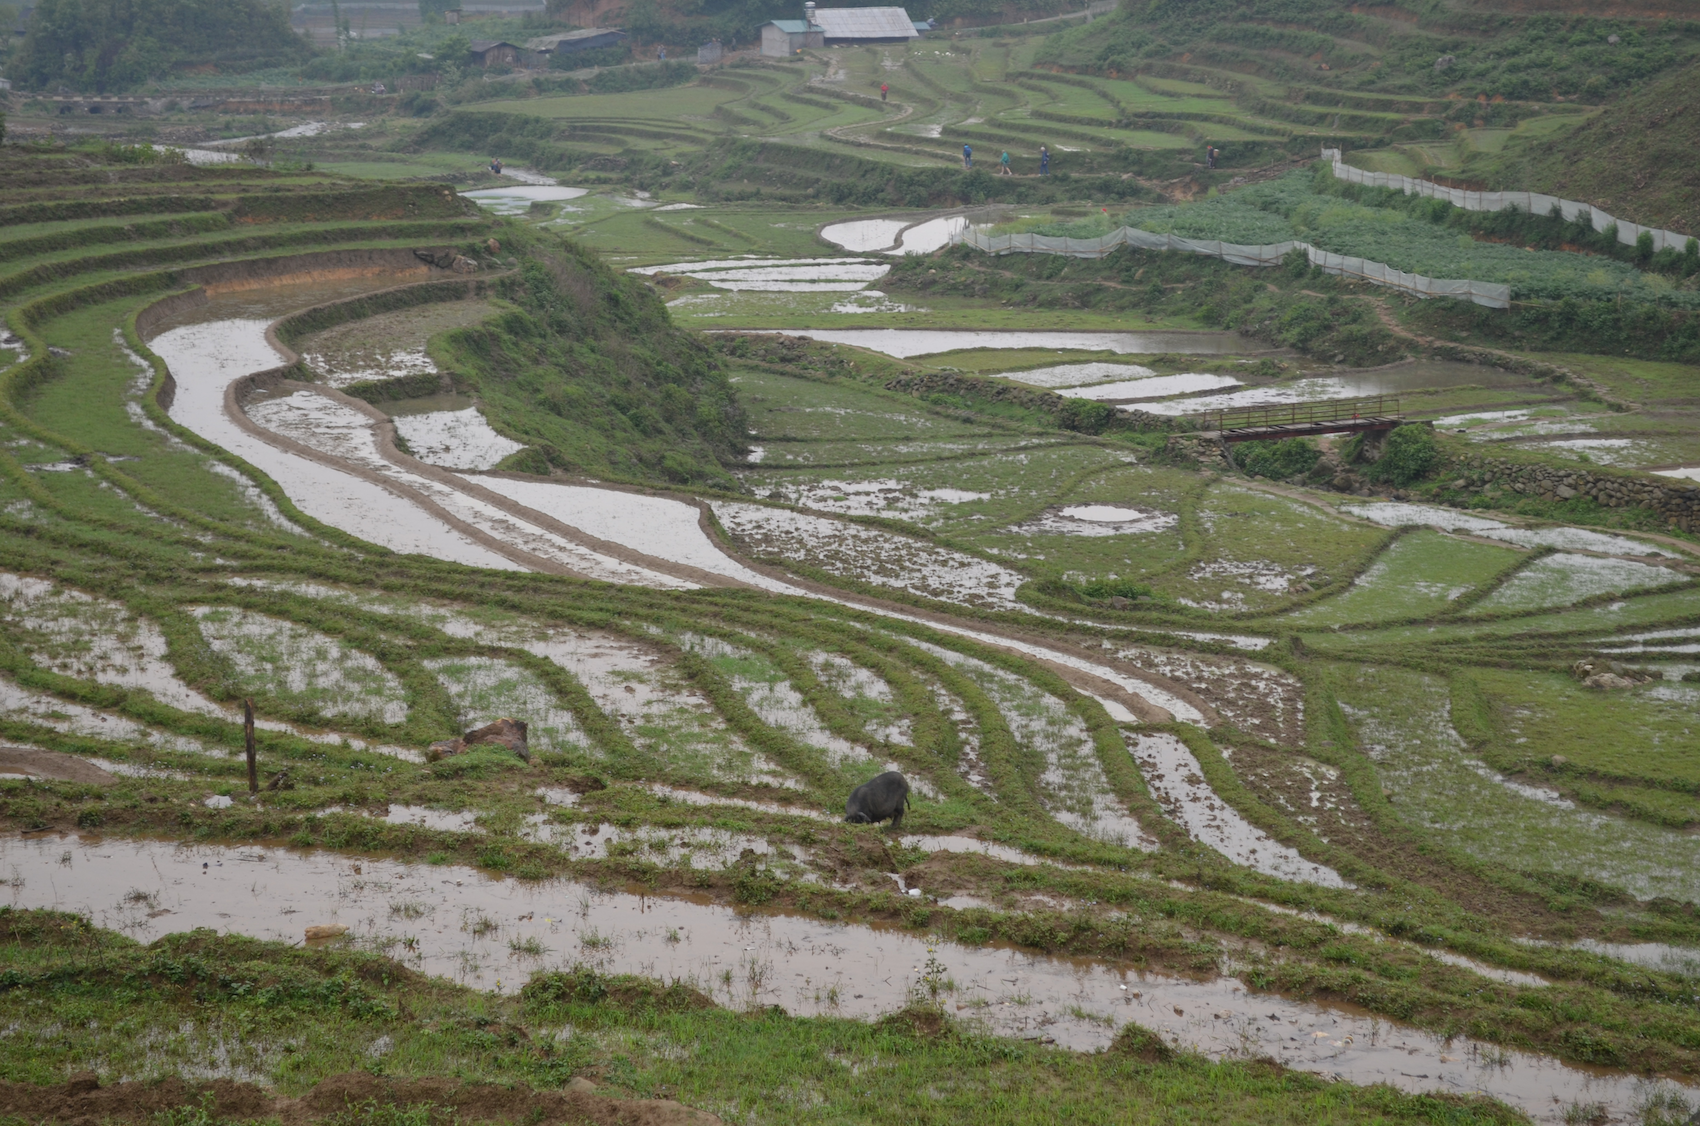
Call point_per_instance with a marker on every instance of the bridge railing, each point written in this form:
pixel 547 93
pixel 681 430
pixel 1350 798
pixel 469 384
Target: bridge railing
pixel 1289 414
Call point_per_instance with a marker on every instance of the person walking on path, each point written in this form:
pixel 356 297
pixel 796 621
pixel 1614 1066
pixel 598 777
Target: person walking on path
pixel 1044 161
pixel 883 89
pixel 967 158
pixel 1210 156
pixel 1004 161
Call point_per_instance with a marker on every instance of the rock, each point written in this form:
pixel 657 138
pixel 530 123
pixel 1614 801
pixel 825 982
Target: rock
pixel 464 265
pixel 1118 602
pixel 443 749
pixel 493 246
pixel 580 1083
pixel 333 930
pixel 509 733
pixel 1608 680
pixel 1559 760
pixel 1564 492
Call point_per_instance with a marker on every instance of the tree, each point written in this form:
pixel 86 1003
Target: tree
pixel 107 45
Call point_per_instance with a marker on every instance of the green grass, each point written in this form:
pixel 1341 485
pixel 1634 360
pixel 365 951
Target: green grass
pixel 1642 735
pixel 1420 575
pixel 1446 795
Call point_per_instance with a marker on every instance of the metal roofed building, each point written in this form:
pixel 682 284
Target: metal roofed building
pixel 822 27
pixel 866 25
pixel 781 39
pixel 584 39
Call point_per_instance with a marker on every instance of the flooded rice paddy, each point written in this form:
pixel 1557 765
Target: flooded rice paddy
pixel 1177 782
pixel 861 236
pixel 516 200
pixel 460 924
pixel 904 343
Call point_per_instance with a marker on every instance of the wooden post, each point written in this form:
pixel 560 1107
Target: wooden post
pixel 248 744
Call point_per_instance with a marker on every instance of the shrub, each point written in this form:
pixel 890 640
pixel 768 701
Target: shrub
pixel 1085 416
pixel 1105 589
pixel 1279 460
pixel 1411 454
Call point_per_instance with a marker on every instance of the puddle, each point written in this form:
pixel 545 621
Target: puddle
pixel 903 343
pixel 862 235
pixel 1156 387
pixel 439 820
pixel 517 200
pixel 458 439
pixel 934 234
pixel 462 924
pixel 1105 520
pixel 1173 775
pixel 1686 472
pixel 205 357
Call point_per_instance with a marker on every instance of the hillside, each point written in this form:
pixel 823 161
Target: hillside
pixel 1636 158
pixel 1498 52
pixel 591 373
pixel 113 45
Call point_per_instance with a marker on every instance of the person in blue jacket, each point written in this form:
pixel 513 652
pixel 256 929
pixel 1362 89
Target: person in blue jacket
pixel 1044 161
pixel 967 157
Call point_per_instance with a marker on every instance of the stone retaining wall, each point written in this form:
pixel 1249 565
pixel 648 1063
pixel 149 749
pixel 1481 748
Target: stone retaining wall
pixel 1675 500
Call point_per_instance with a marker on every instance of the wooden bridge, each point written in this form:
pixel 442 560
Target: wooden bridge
pixel 1301 420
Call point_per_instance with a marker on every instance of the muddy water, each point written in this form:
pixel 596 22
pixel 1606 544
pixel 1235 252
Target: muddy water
pixel 205 357
pixel 808 966
pixel 863 235
pixel 1174 777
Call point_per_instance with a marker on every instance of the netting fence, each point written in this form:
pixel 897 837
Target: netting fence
pixel 1493 295
pixel 1536 203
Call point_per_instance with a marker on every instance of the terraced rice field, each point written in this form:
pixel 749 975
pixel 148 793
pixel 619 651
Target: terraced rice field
pixel 1263 769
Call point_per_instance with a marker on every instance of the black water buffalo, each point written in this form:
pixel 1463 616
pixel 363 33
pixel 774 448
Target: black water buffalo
pixel 877 799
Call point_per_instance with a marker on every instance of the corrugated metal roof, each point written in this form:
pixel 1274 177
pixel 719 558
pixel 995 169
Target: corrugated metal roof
pixel 791 27
pixel 550 42
pixel 866 23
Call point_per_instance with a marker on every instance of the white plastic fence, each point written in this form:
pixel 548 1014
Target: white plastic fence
pixel 1533 202
pixel 1494 296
